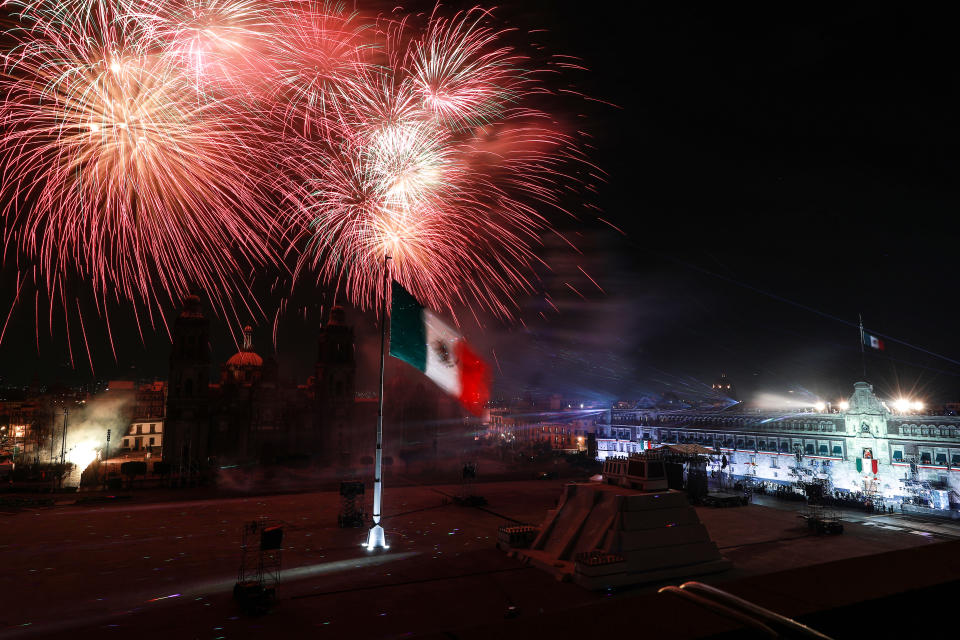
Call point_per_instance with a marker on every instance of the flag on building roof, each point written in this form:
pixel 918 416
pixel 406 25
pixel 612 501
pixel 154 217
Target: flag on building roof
pixel 873 341
pixel 420 338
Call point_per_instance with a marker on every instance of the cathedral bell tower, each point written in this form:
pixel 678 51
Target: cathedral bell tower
pixel 334 382
pixel 186 428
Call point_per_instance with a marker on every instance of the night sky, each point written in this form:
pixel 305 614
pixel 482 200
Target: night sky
pixel 776 172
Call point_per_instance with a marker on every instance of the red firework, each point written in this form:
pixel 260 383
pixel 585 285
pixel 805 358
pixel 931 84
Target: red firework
pixel 117 172
pixel 154 146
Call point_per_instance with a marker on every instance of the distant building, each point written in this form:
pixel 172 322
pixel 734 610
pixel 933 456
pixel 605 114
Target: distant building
pixel 566 431
pixel 725 387
pixel 150 400
pixel 143 438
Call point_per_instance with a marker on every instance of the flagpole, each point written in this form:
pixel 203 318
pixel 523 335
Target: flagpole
pixel 375 537
pixel 863 357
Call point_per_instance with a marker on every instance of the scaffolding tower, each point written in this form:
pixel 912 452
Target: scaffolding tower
pixel 259 574
pixel 351 509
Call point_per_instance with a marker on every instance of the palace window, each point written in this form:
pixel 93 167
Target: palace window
pixel 925 457
pixel 823 450
pixel 837 451
pixel 751 444
pixel 941 459
pixel 955 459
pixel 809 448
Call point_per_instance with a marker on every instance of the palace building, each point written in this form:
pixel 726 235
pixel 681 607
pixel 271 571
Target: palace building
pixel 867 448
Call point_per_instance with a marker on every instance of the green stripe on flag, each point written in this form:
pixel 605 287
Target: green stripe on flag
pixel 408 334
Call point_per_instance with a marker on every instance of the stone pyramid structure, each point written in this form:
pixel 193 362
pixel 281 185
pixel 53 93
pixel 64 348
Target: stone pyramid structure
pixel 602 535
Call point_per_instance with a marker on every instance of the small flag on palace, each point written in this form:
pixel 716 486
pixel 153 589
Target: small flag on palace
pixel 873 341
pixel 420 338
pixel 871 464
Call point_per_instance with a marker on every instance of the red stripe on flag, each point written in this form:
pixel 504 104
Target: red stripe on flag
pixel 474 378
pixel 874 465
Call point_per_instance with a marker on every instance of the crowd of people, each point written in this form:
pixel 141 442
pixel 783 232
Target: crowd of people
pixel 839 499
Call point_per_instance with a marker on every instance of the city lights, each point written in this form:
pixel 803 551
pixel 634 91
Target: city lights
pixel 906 405
pixel 843 405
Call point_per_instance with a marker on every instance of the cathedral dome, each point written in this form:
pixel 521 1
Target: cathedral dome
pixel 244 362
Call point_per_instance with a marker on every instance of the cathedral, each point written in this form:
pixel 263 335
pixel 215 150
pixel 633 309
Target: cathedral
pixel 247 414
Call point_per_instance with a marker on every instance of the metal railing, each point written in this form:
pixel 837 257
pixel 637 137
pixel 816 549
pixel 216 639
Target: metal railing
pixel 730 606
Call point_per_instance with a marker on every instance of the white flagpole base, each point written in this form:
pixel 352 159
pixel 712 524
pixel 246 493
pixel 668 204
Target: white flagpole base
pixel 376 538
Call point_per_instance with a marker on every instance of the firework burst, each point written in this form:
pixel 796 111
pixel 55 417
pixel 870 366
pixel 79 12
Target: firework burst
pixel 115 171
pixel 435 161
pixel 154 146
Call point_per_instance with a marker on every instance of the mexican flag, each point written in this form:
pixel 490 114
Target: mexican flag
pixel 873 342
pixel 420 338
pixel 870 464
